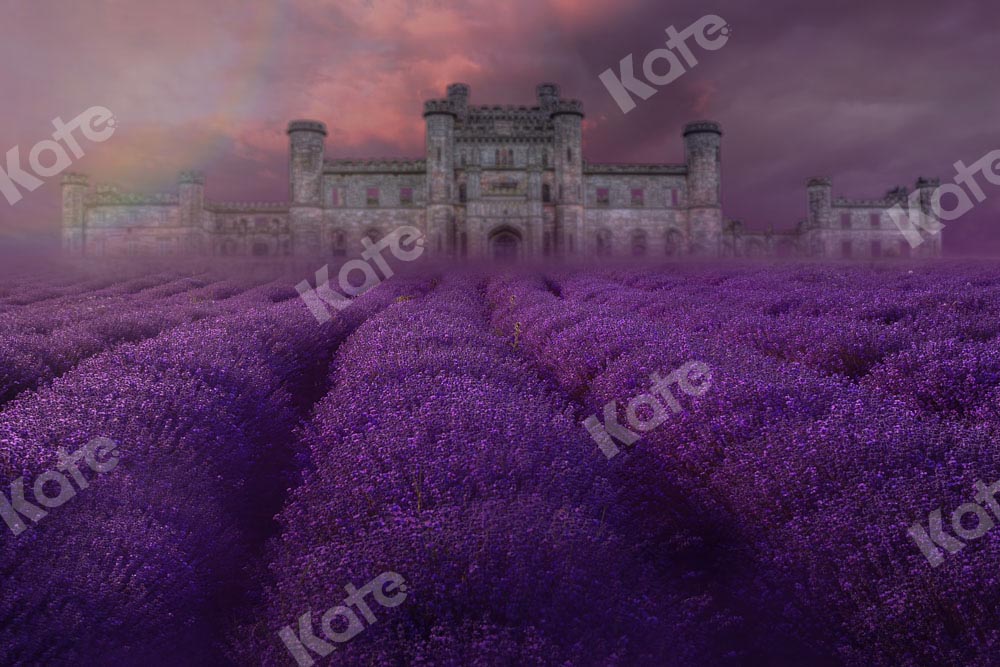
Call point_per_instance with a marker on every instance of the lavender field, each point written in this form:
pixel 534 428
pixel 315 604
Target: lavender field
pixel 265 467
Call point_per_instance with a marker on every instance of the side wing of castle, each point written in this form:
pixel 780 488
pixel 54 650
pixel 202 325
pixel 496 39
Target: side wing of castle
pixel 498 182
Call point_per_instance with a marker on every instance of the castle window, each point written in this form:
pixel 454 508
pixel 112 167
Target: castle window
pixel 546 192
pixel 569 154
pixel 545 159
pixel 845 220
pixel 338 246
pixel 876 248
pixel 371 197
pixel 845 249
pixel 406 196
pixel 439 153
pixel 496 157
pixel 510 157
pixel 638 197
pixel 335 197
pixel 603 196
pixel 462 193
pixel 876 220
pixel 373 234
pixel 674 197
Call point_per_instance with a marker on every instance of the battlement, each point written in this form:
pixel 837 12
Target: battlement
pixel 247 207
pixel 73 178
pixel 446 107
pixel 110 196
pixel 305 125
pixel 191 176
pixel 702 126
pixel 621 169
pixel 819 182
pixel 567 107
pixel 928 183
pixel 374 166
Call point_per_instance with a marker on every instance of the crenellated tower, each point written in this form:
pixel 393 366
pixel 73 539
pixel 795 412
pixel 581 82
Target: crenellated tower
pixel 307 139
pixel 567 121
pixel 74 213
pixel 703 156
pixel 439 116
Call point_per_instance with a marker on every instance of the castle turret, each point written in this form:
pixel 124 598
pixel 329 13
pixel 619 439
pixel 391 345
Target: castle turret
pixel 439 116
pixel 305 175
pixel 74 213
pixel 926 187
pixel 458 96
pixel 820 193
pixel 567 120
pixel 703 155
pixel 191 186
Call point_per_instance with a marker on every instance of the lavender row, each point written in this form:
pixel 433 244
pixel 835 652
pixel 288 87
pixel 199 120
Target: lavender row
pixel 441 456
pixel 146 565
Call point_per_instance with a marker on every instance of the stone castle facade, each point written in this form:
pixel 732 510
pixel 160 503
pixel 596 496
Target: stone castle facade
pixel 500 182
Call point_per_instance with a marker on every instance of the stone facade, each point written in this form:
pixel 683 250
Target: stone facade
pixel 500 182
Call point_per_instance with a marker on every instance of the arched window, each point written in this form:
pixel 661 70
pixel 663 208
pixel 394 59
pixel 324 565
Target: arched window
pixel 638 242
pixel 603 243
pixel 338 245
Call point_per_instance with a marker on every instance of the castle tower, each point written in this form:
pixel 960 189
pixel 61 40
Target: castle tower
pixel 74 213
pixel 703 156
pixel 458 95
pixel 305 181
pixel 191 185
pixel 567 119
pixel 439 115
pixel 820 191
pixel 931 247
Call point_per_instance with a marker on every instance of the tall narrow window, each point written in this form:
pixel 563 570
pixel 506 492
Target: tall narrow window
pixel 638 197
pixel 510 157
pixel 335 197
pixel 546 192
pixel 845 220
pixel 674 198
pixel 496 157
pixel 603 196
pixel 569 154
pixel 406 196
pixel 371 197
pixel 876 220
pixel 462 193
pixel 545 159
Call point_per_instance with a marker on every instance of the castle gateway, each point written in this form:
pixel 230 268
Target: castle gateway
pixel 503 182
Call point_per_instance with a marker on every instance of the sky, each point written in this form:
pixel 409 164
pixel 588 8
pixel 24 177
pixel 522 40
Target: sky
pixel 871 93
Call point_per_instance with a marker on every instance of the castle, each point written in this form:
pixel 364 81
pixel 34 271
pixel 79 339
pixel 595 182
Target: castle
pixel 500 182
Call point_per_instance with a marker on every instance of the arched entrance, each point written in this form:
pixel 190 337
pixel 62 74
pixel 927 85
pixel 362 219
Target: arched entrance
pixel 505 244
